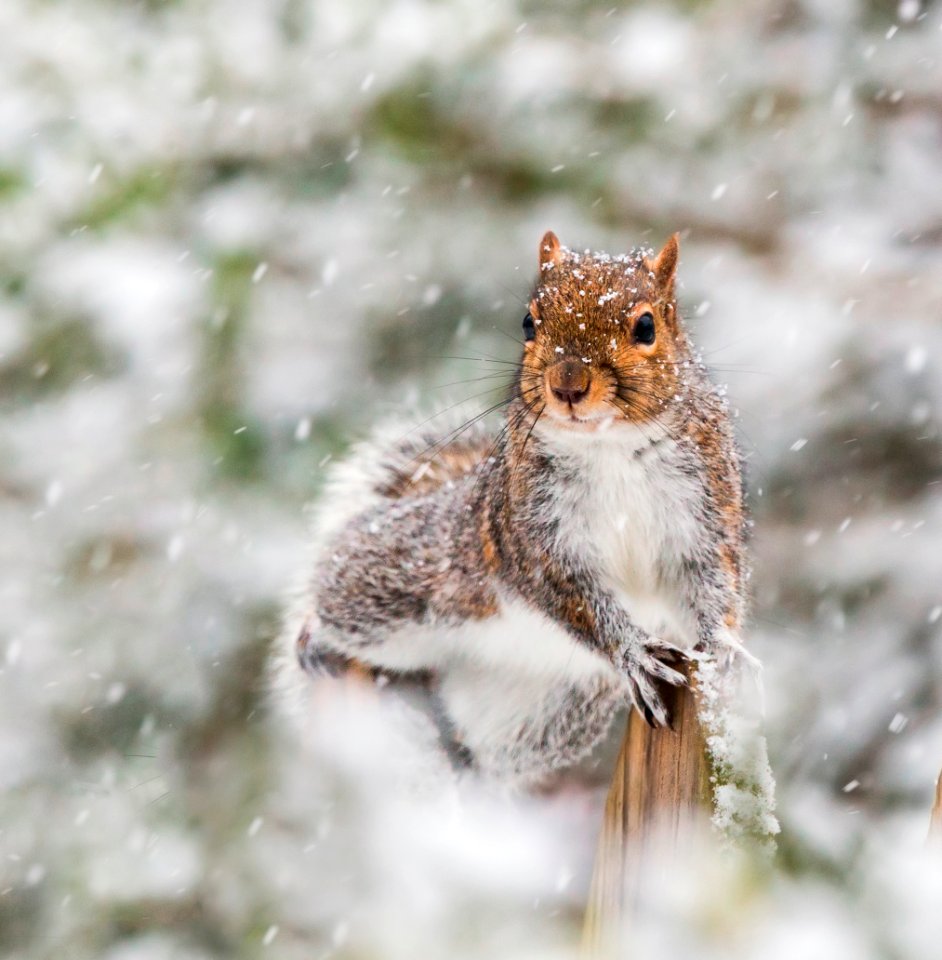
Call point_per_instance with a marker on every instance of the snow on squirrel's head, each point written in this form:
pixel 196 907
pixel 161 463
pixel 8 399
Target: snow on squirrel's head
pixel 603 341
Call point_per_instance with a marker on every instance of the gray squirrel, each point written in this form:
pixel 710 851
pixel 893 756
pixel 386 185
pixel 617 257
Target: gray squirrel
pixel 536 578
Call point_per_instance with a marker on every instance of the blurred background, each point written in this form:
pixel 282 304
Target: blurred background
pixel 234 234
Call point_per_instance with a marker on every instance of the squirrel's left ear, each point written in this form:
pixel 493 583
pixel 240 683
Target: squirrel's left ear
pixel 664 265
pixel 550 251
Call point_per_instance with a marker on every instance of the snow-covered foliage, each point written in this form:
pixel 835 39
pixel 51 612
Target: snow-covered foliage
pixel 743 787
pixel 232 235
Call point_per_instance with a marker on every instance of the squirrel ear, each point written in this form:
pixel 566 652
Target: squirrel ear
pixel 664 264
pixel 550 251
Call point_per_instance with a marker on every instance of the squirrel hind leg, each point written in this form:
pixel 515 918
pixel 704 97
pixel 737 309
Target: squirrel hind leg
pixel 578 719
pixel 316 659
pixel 460 756
pixel 417 688
pixel 560 729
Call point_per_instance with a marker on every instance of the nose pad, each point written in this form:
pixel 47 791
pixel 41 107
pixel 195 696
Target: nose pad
pixel 569 396
pixel 569 381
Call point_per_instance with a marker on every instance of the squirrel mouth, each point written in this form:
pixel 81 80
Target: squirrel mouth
pixel 571 420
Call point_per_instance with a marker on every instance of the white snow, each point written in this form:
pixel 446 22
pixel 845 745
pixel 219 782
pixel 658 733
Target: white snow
pixel 363 165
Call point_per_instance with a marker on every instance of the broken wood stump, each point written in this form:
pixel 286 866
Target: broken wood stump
pixel 661 785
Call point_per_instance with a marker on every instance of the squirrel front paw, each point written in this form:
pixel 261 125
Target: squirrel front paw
pixel 646 667
pixel 726 642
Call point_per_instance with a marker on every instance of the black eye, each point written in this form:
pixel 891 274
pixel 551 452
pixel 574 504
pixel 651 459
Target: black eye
pixel 529 329
pixel 644 329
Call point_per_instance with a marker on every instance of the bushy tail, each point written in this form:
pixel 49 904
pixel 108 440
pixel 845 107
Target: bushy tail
pixel 398 459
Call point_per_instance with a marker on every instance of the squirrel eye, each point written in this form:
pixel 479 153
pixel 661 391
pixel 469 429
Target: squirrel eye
pixel 529 328
pixel 644 330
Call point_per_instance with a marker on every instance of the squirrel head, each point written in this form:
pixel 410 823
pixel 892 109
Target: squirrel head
pixel 603 341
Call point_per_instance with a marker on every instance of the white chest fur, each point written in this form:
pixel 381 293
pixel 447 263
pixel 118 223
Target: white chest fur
pixel 529 642
pixel 630 510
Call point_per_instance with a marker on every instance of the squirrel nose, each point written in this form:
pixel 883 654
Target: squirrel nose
pixel 569 380
pixel 569 396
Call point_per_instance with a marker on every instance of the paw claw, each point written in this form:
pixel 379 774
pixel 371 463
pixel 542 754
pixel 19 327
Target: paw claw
pixel 645 711
pixel 661 671
pixel 648 669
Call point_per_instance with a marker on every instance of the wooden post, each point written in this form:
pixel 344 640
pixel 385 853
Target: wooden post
pixel 661 776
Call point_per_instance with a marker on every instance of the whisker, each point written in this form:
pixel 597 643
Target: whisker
pixel 487 376
pixel 635 411
pixel 710 367
pixel 433 449
pixel 510 336
pixel 511 293
pixel 439 413
pixel 526 440
pixel 518 365
pixel 484 359
pixel 489 461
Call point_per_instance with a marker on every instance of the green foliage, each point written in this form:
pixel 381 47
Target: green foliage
pixel 394 353
pixel 145 189
pixel 60 353
pixel 12 182
pixel 236 441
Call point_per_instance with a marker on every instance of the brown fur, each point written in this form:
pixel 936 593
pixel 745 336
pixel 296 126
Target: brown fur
pixel 584 309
